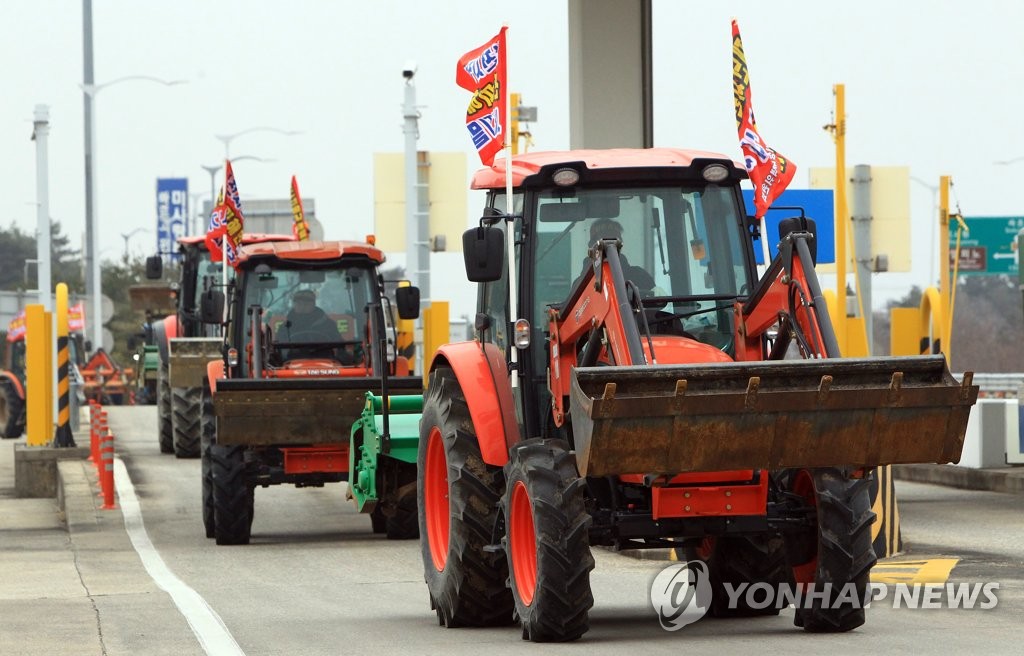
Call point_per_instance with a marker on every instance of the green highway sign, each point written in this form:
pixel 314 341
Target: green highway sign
pixel 988 247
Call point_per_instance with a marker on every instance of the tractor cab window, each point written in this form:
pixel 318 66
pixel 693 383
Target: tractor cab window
pixel 493 296
pixel 313 313
pixel 681 246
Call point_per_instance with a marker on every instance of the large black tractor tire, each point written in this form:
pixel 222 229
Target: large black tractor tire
pixel 743 559
pixel 165 429
pixel 457 494
pixel 187 415
pixel 404 522
pixel 547 541
pixel 209 437
pixel 232 495
pixel 838 550
pixel 12 411
pixel 378 521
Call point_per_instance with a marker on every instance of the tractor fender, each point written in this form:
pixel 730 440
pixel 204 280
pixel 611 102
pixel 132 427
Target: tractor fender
pixel 214 372
pixel 483 377
pixel 15 383
pixel 163 332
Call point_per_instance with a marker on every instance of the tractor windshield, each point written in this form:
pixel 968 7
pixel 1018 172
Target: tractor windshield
pixel 208 273
pixel 314 313
pixel 682 247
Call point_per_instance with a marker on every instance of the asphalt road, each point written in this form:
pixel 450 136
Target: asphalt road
pixel 316 580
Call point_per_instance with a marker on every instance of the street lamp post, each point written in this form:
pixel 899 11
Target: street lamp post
pixel 213 169
pixel 129 235
pixel 228 138
pixel 92 228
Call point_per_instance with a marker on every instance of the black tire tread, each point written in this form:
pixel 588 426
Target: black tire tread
pixel 12 409
pixel 560 609
pixel 209 437
pixel 232 495
pixel 744 559
pixel 845 552
pixel 165 431
pixel 471 590
pixel 186 420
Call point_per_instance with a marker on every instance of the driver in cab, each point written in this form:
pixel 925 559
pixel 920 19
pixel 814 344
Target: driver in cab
pixel 308 323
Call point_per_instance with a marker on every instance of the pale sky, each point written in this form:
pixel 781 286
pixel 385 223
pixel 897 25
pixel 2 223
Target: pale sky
pixel 933 86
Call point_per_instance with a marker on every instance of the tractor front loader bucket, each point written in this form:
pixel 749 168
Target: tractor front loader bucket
pixel 283 411
pixel 666 419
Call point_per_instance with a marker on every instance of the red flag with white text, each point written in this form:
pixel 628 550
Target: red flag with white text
pixel 226 221
pixel 484 72
pixel 76 318
pixel 769 171
pixel 16 328
pixel 300 229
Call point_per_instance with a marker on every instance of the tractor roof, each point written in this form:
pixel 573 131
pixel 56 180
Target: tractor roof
pixel 529 164
pixel 247 238
pixel 309 250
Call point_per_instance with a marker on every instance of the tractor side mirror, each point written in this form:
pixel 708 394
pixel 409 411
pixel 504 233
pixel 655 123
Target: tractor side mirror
pixel 801 224
pixel 211 306
pixel 154 267
pixel 133 343
pixel 408 301
pixel 483 250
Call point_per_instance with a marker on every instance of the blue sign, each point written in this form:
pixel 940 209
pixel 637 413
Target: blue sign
pixel 817 204
pixel 171 211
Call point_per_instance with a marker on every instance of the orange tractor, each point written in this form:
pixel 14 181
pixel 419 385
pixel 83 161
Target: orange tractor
pixel 309 333
pixel 634 384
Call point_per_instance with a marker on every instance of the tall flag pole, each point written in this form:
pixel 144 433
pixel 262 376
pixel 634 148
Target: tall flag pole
pixel 300 228
pixel 484 71
pixel 769 171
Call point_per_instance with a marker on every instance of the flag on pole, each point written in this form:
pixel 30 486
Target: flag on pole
pixel 769 171
pixel 76 318
pixel 227 224
pixel 483 71
pixel 16 328
pixel 300 229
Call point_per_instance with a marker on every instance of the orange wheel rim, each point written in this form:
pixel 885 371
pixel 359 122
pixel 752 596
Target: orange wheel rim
pixel 435 499
pixel 522 539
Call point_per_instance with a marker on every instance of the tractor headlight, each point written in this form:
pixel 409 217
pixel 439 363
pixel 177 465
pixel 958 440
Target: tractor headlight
pixel 715 173
pixel 522 333
pixel 232 357
pixel 565 177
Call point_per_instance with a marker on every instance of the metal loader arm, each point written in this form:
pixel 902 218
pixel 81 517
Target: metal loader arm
pixel 791 283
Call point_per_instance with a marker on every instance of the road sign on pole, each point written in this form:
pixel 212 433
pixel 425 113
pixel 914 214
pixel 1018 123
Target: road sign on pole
pixel 989 247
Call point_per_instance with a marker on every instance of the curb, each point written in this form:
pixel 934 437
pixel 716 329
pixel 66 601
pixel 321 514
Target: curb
pixel 1009 481
pixel 76 497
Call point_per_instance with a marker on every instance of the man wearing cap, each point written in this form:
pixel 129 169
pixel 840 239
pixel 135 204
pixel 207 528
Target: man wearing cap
pixel 308 323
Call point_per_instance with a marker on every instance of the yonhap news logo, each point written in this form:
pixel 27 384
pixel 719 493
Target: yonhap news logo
pixel 681 594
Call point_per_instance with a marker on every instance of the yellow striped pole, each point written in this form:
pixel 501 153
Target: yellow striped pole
pixel 63 436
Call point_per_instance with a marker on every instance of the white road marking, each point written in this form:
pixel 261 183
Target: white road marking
pixel 205 623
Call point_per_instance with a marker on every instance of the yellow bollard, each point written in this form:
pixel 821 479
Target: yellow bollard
pixel 38 398
pixel 436 332
pixel 63 436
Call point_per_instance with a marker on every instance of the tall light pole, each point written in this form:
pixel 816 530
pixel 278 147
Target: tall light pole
pixel 228 138
pixel 92 223
pixel 214 168
pixel 129 235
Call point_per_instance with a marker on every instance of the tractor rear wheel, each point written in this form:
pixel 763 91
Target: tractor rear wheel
pixel 12 408
pixel 404 522
pixel 457 494
pixel 232 495
pixel 378 521
pixel 548 541
pixel 837 552
pixel 163 409
pixel 209 435
pixel 742 559
pixel 186 420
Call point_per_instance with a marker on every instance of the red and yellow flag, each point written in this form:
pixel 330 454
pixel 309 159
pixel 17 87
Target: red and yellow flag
pixel 483 71
pixel 300 229
pixel 769 171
